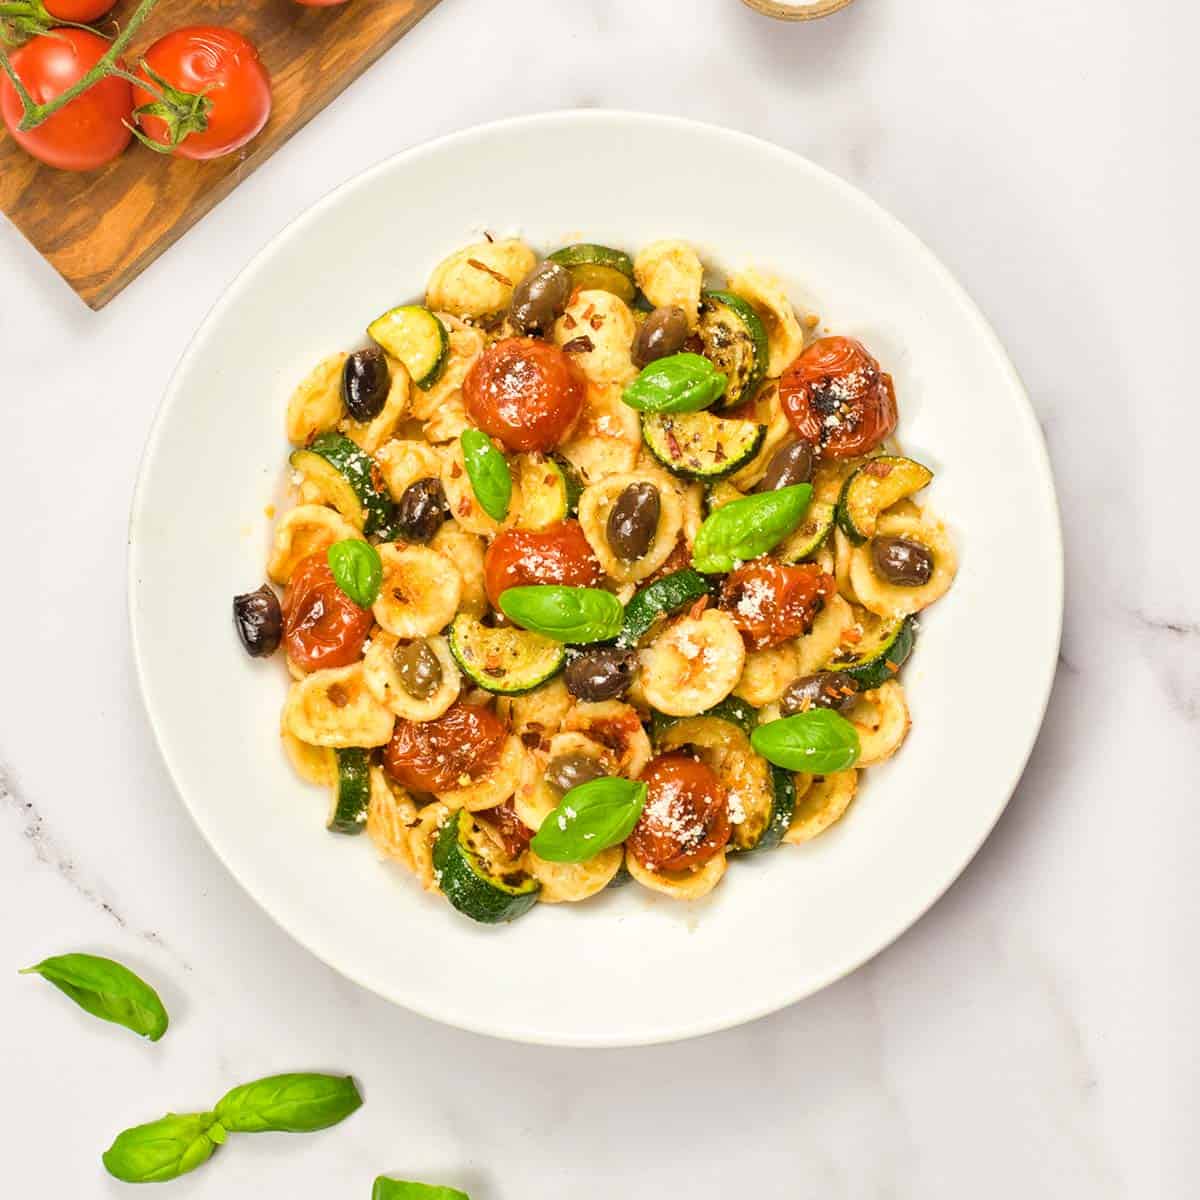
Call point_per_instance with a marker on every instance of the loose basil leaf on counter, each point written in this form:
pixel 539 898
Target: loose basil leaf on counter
pixel 590 818
pixel 297 1103
pixel 819 741
pixel 744 529
pixel 489 474
pixel 107 990
pixel 163 1149
pixel 401 1189
pixel 357 570
pixel 577 615
pixel 675 384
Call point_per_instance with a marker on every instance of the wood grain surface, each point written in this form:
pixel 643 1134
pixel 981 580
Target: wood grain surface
pixel 100 229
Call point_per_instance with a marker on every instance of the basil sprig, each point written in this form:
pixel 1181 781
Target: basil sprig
pixel 819 741
pixel 401 1189
pixel 577 615
pixel 163 1149
pixel 357 570
pixel 744 529
pixel 107 990
pixel 590 818
pixel 488 471
pixel 676 384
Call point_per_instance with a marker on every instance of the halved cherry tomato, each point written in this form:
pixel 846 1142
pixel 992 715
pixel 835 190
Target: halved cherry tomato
pixel 456 749
pixel 560 554
pixel 837 398
pixel 525 392
pixel 514 834
pixel 322 626
pixel 772 603
pixel 686 817
pixel 87 132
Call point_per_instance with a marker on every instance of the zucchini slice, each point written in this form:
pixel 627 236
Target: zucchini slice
pixel 735 342
pixel 476 876
pixel 505 660
pixel 733 709
pixel 351 792
pixel 666 595
pixel 700 445
pixel 550 491
pixel 412 334
pixel 720 494
pixel 784 783
pixel 593 266
pixel 885 646
pixel 810 535
pixel 349 478
pixel 876 485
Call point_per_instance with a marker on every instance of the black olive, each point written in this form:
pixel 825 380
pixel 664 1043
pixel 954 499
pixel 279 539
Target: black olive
pixel 902 561
pixel 421 510
pixel 825 689
pixel 540 298
pixel 790 464
pixel 633 521
pixel 365 383
pixel 418 667
pixel 604 673
pixel 258 620
pixel 662 333
pixel 566 771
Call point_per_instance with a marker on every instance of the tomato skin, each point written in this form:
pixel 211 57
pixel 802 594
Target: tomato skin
pixel 433 756
pixel 772 603
pixel 223 65
pixel 78 10
pixel 837 398
pixel 89 131
pixel 514 834
pixel 686 818
pixel 560 554
pixel 322 626
pixel 527 394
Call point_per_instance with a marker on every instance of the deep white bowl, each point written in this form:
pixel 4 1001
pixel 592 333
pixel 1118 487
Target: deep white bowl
pixel 628 967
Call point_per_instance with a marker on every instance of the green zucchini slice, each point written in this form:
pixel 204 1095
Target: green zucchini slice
pixel 666 595
pixel 351 792
pixel 412 334
pixel 784 783
pixel 550 491
pixel 810 535
pixel 735 341
pixel 876 485
pixel 732 709
pixel 506 660
pixel 602 267
pixel 884 649
pixel 349 477
pixel 700 445
pixel 476 876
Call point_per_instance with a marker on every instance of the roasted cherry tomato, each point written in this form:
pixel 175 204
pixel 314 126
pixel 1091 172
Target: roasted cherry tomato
pixel 223 68
pixel 514 834
pixel 772 603
pixel 524 392
pixel 454 750
pixel 322 626
pixel 837 398
pixel 686 817
pixel 560 554
pixel 87 132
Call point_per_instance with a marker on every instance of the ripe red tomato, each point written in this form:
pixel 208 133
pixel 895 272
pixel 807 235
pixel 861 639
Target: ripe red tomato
pixel 560 554
pixel 87 132
pixel 464 743
pixel 78 10
pixel 686 817
pixel 772 603
pixel 322 626
pixel 224 67
pixel 524 392
pixel 837 398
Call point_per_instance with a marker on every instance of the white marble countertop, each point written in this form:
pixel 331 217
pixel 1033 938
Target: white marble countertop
pixel 1036 1034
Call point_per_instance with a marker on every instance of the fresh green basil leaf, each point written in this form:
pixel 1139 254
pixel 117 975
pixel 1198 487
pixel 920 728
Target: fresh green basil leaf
pixel 357 570
pixel 488 471
pixel 163 1149
pixel 819 742
pixel 675 384
pixel 590 818
pixel 107 990
pixel 400 1189
pixel 298 1103
pixel 744 529
pixel 577 615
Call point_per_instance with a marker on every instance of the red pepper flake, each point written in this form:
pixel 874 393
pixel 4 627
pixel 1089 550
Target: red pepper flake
pixel 878 468
pixel 894 668
pixel 673 446
pixel 719 453
pixel 569 321
pixel 548 479
pixel 596 322
pixel 494 672
pixel 464 506
pixel 338 696
pixel 853 636
pixel 474 262
pixel 587 312
pixel 531 739
pixel 455 471
pixel 579 345
pixel 698 608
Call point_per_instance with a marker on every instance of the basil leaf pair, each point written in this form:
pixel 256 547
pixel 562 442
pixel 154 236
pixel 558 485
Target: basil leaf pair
pixel 107 990
pixel 488 472
pixel 357 570
pixel 400 1189
pixel 577 615
pixel 675 384
pixel 818 742
pixel 744 529
pixel 590 818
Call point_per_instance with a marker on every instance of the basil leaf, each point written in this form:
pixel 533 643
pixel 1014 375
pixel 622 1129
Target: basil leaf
pixel 590 818
pixel 567 614
pixel 819 741
pixel 107 990
pixel 744 529
pixel 675 384
pixel 400 1189
pixel 357 570
pixel 288 1103
pixel 488 472
pixel 163 1149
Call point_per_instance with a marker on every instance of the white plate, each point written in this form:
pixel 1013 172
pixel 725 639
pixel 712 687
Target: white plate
pixel 629 967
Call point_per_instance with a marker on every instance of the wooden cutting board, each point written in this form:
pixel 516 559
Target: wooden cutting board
pixel 101 229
